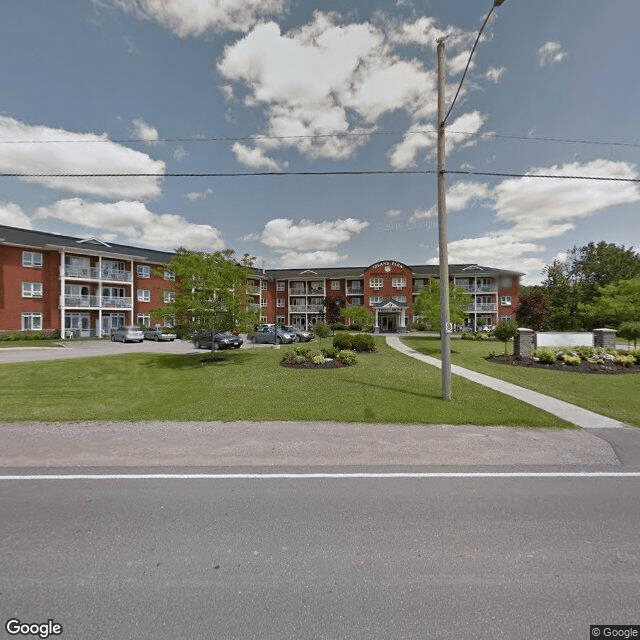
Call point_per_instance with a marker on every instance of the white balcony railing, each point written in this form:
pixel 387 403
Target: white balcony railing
pixel 305 308
pixel 484 288
pixel 97 302
pixel 93 273
pixel 482 308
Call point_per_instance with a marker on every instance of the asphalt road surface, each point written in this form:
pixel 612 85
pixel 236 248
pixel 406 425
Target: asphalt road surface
pixel 239 557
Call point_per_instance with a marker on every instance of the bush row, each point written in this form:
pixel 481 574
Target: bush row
pixel 354 342
pixel 300 355
pixel 13 336
pixel 596 355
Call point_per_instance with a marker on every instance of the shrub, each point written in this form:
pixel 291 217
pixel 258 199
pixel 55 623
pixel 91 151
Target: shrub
pixel 318 359
pixel 572 359
pixel 546 355
pixel 338 326
pixel 330 352
pixel 343 341
pixel 347 358
pixel 46 334
pixel 363 342
pixel 625 360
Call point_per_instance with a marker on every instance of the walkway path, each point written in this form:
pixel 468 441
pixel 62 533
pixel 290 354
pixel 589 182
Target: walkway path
pixel 569 412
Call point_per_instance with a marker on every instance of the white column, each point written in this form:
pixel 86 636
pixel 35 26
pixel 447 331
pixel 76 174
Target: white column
pixel 62 301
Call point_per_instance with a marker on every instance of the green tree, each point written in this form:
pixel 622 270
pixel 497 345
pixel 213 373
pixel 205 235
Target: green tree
pixel 532 311
pixel 506 331
pixel 630 331
pixel 333 306
pixel 321 330
pixel 209 290
pixel 614 304
pixel 358 315
pixel 427 304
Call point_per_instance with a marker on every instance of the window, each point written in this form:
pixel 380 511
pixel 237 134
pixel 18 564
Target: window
pixel 263 319
pixel 143 319
pixel 169 296
pixel 280 286
pixel 280 302
pixel 398 283
pixel 32 289
pixel 31 259
pixel 355 285
pixel 505 318
pixel 169 321
pixel 335 285
pixel 31 321
pixel 400 298
pixel 375 283
pixel 263 285
pixel 169 275
pixel 356 302
pixel 279 319
pixel 144 295
pixel 375 299
pixel 263 303
pixel 505 301
pixel 144 271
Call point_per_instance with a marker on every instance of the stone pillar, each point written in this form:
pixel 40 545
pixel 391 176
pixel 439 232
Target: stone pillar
pixel 604 338
pixel 523 343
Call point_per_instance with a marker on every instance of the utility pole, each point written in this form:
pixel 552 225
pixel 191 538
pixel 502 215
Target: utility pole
pixel 445 338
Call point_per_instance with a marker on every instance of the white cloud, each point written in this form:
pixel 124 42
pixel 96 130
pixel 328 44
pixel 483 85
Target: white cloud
pixel 145 131
pixel 39 149
pixel 458 198
pixel 331 78
pixel 194 196
pixel 550 53
pixel 254 158
pixel 135 223
pixel 283 234
pixel 392 214
pixel 195 17
pixel 310 258
pixel 494 74
pixel 12 215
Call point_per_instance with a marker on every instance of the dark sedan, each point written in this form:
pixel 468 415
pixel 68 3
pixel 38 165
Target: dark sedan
pixel 220 340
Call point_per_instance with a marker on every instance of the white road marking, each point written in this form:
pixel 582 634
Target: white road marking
pixel 321 476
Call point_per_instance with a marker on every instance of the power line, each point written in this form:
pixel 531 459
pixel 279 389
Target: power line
pixel 320 136
pixel 370 172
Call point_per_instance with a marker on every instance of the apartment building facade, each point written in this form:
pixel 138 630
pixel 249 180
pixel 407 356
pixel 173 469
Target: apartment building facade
pixel 84 287
pixel 80 287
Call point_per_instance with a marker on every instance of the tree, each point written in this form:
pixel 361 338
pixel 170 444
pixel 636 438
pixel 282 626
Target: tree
pixel 532 311
pixel 358 315
pixel 630 331
pixel 506 331
pixel 208 290
pixel 321 330
pixel 614 304
pixel 333 308
pixel 427 304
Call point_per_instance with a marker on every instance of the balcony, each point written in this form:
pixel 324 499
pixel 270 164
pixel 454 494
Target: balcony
pixel 480 288
pixel 355 291
pixel 305 308
pixel 97 302
pixel 482 308
pixel 253 291
pixel 94 273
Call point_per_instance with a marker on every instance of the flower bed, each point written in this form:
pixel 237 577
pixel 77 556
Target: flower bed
pixel 329 358
pixel 581 359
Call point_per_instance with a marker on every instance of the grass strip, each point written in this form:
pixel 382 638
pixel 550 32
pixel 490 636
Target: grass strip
pixel 250 384
pixel 615 396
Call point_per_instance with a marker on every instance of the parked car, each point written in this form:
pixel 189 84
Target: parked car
pixel 158 334
pixel 127 334
pixel 221 340
pixel 264 335
pixel 302 335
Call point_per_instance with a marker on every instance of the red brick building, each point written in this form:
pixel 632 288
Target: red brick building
pixel 84 287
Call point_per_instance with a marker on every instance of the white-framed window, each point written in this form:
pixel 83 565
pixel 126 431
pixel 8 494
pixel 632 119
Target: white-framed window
pixel 376 283
pixel 169 275
pixel 375 299
pixel 279 319
pixel 32 289
pixel 144 295
pixel 335 285
pixel 143 319
pixel 356 302
pixel 264 303
pixel 263 285
pixel 505 318
pixel 400 298
pixel 143 271
pixel 505 301
pixel 31 321
pixel 280 286
pixel 31 259
pixel 398 282
pixel 280 302
pixel 263 319
pixel 169 296
pixel 355 285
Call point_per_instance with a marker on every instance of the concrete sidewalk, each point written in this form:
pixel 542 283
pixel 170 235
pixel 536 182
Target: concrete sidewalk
pixel 569 412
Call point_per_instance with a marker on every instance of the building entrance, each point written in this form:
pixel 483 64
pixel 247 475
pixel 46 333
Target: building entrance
pixel 388 323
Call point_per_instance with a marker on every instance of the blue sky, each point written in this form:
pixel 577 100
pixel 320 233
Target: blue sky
pixel 233 86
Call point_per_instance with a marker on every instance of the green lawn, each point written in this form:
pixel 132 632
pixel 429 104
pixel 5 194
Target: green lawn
pixel 616 396
pixel 250 384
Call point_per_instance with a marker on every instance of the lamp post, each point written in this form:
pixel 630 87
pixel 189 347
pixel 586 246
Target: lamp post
pixel 443 257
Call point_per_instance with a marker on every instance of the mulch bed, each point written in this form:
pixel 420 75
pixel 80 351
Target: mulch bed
pixel 583 367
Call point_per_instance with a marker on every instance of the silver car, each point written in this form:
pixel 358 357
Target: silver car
pixel 158 334
pixel 302 335
pixel 127 334
pixel 265 336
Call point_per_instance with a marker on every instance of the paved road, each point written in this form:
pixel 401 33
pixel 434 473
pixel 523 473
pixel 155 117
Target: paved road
pixel 322 558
